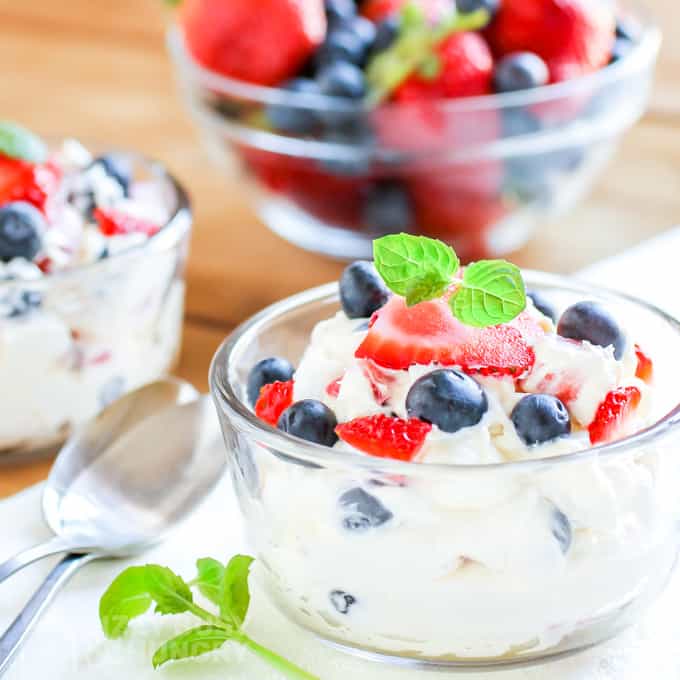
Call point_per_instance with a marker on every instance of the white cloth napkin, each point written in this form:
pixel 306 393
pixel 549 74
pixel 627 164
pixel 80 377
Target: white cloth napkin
pixel 68 643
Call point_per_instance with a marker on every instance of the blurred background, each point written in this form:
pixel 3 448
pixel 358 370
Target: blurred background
pixel 99 71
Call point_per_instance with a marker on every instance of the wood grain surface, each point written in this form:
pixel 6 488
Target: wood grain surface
pixel 99 71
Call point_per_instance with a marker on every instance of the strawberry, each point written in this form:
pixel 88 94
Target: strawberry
pixel 384 436
pixel 24 181
pixel 466 70
pixel 574 37
pixel 274 399
pixel 612 414
pixel 427 332
pixel 263 42
pixel 333 387
pixel 117 223
pixel 378 10
pixel 645 367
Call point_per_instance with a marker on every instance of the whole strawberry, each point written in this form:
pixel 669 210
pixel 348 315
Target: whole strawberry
pixel 574 37
pixel 263 42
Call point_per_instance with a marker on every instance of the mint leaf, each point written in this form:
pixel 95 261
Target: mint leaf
pixel 235 593
pixel 194 642
pixel 492 292
pixel 18 142
pixel 134 590
pixel 210 578
pixel 416 267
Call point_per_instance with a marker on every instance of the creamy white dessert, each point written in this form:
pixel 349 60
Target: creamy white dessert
pixel 483 560
pixel 87 310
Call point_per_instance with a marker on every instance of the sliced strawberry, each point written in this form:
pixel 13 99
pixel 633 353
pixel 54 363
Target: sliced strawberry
pixel 428 333
pixel 612 414
pixel 274 399
pixel 30 182
pixel 117 223
pixel 333 387
pixel 262 42
pixel 384 436
pixel 645 366
pixel 378 10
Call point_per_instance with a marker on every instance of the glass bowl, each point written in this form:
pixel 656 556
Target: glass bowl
pixel 480 173
pixel 88 334
pixel 471 569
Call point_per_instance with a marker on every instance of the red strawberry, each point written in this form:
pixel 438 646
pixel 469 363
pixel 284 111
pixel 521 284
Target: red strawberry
pixel 384 436
pixel 401 336
pixel 377 10
pixel 645 367
pixel 466 71
pixel 261 42
pixel 612 414
pixel 574 37
pixel 117 223
pixel 31 182
pixel 333 387
pixel 274 399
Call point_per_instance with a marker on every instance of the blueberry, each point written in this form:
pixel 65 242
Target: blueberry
pixel 540 418
pixel 386 34
pixel 561 530
pixel 341 45
pixel 362 291
pixel 467 6
pixel 592 322
pixel 22 226
pixel 520 71
pixel 356 138
pixel 620 49
pixel 116 167
pixel 342 79
pixel 299 119
pixel 341 600
pixel 365 29
pixel 388 208
pixel 362 511
pixel 448 399
pixel 272 369
pixel 339 10
pixel 311 420
pixel 542 305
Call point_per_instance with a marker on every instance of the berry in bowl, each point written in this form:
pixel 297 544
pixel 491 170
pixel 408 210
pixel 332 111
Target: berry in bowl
pixel 92 252
pixel 437 467
pixel 470 125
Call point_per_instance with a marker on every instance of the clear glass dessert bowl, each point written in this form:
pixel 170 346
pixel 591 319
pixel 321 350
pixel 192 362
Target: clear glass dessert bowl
pixel 455 566
pixel 480 173
pixel 73 340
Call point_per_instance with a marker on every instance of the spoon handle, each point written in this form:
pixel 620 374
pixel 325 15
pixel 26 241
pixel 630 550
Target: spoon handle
pixel 23 559
pixel 20 628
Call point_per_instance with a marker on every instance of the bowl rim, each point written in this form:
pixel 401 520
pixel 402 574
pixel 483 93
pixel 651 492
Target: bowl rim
pixel 244 419
pixel 642 55
pixel 168 236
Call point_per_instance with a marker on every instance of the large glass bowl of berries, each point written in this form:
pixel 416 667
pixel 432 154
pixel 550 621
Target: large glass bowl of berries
pixel 92 252
pixel 423 487
pixel 471 124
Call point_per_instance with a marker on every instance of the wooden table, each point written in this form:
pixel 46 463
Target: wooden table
pixel 98 71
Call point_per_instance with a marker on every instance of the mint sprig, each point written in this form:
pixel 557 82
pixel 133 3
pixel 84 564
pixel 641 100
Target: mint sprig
pixel 134 591
pixel 414 50
pixel 18 142
pixel 490 292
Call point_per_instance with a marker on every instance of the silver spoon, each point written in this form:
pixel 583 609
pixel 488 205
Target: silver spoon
pixel 119 485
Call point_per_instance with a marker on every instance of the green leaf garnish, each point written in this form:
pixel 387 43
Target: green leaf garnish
pixel 414 50
pixel 134 591
pixel 415 267
pixel 194 642
pixel 492 292
pixel 420 269
pixel 18 142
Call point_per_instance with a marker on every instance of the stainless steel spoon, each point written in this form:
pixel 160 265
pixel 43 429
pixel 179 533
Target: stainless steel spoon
pixel 119 485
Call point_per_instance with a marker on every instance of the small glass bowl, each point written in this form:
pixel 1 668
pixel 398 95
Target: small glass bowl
pixel 88 334
pixel 480 173
pixel 464 567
